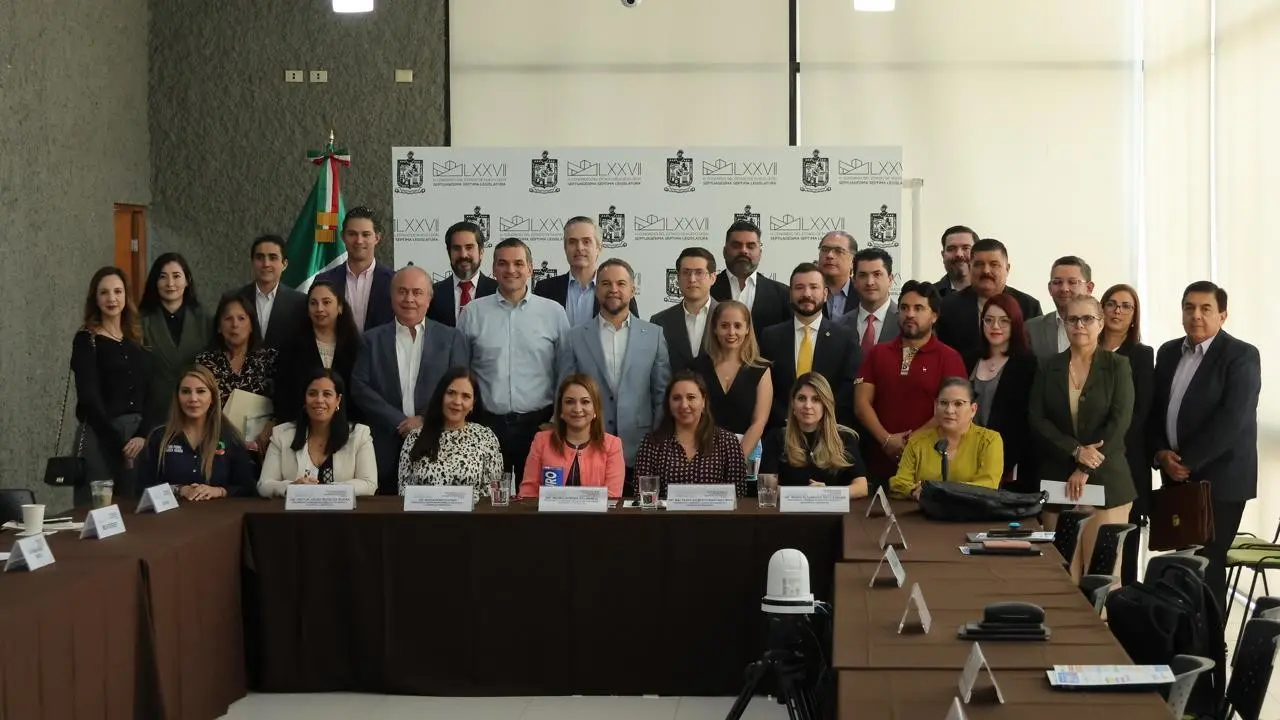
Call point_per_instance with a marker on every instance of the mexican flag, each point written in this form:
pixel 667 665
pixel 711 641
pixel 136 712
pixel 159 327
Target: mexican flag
pixel 315 243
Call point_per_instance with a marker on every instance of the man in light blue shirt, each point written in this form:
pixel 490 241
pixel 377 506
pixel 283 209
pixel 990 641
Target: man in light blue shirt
pixel 575 290
pixel 518 351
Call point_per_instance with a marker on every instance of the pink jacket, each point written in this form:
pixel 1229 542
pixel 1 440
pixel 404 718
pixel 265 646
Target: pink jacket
pixel 595 468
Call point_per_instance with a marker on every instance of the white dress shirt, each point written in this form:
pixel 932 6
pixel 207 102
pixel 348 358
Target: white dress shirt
pixel 614 343
pixel 696 324
pixel 358 289
pixel 457 293
pixel 1192 356
pixel 408 361
pixel 880 314
pixel 264 302
pixel 747 294
pixel 813 335
pixel 1063 342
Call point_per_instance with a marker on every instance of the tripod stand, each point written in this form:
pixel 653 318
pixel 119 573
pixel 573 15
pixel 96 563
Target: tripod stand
pixel 787 663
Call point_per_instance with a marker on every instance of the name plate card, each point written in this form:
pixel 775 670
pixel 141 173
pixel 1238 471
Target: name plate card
pixel 30 553
pixel 573 499
pixel 157 499
pixel 957 710
pixel 439 498
pixel 879 499
pixel 889 528
pixel 916 607
pixel 895 566
pixel 973 669
pixel 696 496
pixel 814 499
pixel 103 523
pixel 338 496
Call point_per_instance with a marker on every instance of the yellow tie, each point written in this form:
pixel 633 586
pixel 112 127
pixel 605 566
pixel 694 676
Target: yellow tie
pixel 804 360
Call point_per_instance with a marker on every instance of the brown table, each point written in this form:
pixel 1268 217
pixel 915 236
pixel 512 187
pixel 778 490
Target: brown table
pixel 927 540
pixel 516 602
pixel 927 694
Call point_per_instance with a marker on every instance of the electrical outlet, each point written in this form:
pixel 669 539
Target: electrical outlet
pixel 291 76
pixel 319 76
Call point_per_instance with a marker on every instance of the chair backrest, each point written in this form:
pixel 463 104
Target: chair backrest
pixel 1264 605
pixel 1096 588
pixel 11 502
pixel 1067 533
pixel 1255 657
pixel 1107 549
pixel 1186 669
pixel 1157 564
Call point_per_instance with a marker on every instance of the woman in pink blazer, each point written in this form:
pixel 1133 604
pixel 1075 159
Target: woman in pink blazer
pixel 576 443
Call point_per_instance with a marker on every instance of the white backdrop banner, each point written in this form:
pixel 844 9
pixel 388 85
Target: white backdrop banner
pixel 650 203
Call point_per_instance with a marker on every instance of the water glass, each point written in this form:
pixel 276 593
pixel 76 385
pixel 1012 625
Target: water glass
pixel 767 490
pixel 649 488
pixel 100 492
pixel 32 519
pixel 500 490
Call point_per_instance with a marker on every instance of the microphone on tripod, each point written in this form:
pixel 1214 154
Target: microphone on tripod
pixel 941 447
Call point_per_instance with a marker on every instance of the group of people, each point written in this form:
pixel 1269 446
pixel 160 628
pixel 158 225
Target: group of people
pixel 382 379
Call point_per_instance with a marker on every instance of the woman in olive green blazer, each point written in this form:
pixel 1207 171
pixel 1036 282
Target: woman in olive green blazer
pixel 174 326
pixel 1081 406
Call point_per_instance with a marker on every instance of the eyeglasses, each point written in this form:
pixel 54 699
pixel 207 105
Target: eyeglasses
pixel 1125 308
pixel 832 250
pixel 1081 320
pixel 696 274
pixel 993 321
pixel 1069 282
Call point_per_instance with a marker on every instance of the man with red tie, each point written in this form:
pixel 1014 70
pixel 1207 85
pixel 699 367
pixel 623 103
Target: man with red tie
pixel 465 243
pixel 875 320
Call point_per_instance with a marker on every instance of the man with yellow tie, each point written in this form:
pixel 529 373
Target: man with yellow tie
pixel 808 342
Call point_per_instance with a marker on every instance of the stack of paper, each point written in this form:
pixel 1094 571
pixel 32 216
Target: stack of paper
pixel 1084 676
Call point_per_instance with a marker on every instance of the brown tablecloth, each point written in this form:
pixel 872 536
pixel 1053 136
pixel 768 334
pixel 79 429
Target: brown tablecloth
pixel 927 695
pixel 516 602
pixel 927 540
pixel 69 639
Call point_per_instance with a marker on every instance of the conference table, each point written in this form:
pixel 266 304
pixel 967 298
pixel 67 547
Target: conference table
pixel 179 616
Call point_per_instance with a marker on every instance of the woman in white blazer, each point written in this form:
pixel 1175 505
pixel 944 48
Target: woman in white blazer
pixel 329 449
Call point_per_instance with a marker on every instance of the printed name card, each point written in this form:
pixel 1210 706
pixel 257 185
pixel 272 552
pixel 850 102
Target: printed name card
pixel 157 499
pixel 439 498
pixel 814 499
pixel 957 710
pixel 695 496
pixel 103 523
pixel 973 668
pixel 879 499
pixel 573 499
pixel 338 496
pixel 895 566
pixel 916 611
pixel 899 540
pixel 30 553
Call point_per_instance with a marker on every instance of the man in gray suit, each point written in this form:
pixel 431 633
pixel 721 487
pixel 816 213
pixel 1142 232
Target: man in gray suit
pixel 626 356
pixel 1069 277
pixel 393 397
pixel 875 319
pixel 281 310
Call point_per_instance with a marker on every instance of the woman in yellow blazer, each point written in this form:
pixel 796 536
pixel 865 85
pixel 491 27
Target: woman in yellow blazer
pixel 975 455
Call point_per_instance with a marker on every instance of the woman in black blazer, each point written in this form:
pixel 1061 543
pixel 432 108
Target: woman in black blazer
pixel 1003 370
pixel 1081 406
pixel 1122 334
pixel 328 340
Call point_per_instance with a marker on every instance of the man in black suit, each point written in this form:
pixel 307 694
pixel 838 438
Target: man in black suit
pixel 958 323
pixel 361 281
pixel 1204 417
pixel 465 243
pixel 835 258
pixel 957 245
pixel 576 290
pixel 767 298
pixel 831 348
pixel 281 310
pixel 685 326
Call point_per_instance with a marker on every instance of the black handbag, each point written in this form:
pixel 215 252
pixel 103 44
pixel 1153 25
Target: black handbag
pixel 67 470
pixel 961 502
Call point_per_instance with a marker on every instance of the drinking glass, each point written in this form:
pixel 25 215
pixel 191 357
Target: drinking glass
pixel 100 492
pixel 649 487
pixel 500 490
pixel 767 490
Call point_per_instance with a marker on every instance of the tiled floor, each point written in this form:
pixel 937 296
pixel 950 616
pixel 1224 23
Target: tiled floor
pixel 390 707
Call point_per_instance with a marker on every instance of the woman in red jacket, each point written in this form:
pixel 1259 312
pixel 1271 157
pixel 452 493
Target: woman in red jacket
pixel 576 443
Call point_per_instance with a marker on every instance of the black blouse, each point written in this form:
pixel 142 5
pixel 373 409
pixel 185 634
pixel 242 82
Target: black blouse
pixel 773 461
pixel 174 321
pixel 181 464
pixel 257 374
pixel 112 379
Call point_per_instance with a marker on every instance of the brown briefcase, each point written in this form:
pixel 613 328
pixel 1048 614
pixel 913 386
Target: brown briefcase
pixel 1181 515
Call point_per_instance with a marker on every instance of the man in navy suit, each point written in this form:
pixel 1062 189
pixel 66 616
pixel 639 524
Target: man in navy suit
pixel 465 243
pixel 1203 423
pixel 361 281
pixel 575 290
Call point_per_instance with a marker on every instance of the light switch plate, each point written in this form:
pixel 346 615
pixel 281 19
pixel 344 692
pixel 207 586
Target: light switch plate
pixel 404 76
pixel 319 76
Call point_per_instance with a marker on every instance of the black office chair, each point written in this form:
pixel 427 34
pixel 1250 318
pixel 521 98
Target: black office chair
pixel 1187 669
pixel 1106 551
pixel 1067 533
pixel 1097 588
pixel 1255 658
pixel 1157 564
pixel 11 502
